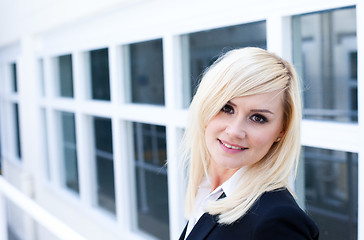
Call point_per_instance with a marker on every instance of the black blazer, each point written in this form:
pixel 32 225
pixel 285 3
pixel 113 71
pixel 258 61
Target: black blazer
pixel 274 216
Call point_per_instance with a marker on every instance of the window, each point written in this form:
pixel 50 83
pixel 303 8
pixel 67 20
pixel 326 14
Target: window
pixel 69 150
pixel 147 77
pixel 17 131
pixel 325 55
pixel 151 179
pixel 203 48
pixel 14 77
pixel 99 69
pixel 65 76
pixel 104 163
pixel 331 190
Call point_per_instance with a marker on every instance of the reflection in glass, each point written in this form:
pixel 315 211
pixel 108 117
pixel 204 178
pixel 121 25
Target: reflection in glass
pixel 104 163
pixel 17 131
pixel 325 55
pixel 147 81
pixel 65 76
pixel 151 178
pixel 203 48
pixel 331 189
pixel 100 81
pixel 69 150
pixel 14 77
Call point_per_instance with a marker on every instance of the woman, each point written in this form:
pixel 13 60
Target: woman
pixel 243 143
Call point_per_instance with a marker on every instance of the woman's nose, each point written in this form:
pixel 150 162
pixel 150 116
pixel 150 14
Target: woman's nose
pixel 236 129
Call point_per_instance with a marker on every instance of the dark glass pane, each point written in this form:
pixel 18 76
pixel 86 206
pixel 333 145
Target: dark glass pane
pixel 105 183
pixel 151 143
pixel 12 233
pixel 69 151
pixel 65 75
pixel 17 131
pixel 151 178
pixel 14 77
pixel 331 189
pixel 103 134
pixel 104 164
pixel 147 79
pixel 206 46
pixel 325 55
pixel 100 74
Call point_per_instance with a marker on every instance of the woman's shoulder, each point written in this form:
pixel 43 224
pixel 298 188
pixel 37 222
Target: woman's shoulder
pixel 277 211
pixel 279 202
pixel 280 197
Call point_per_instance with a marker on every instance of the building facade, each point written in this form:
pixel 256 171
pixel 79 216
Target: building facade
pixel 94 98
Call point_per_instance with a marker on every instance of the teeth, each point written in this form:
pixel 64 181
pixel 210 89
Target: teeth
pixel 231 147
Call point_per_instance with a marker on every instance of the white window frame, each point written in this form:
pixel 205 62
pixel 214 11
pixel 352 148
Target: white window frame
pixel 323 134
pixel 9 99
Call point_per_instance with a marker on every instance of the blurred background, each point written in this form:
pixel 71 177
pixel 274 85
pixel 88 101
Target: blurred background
pixel 94 98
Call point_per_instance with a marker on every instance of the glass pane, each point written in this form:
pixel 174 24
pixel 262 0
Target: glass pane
pixel 100 81
pixel 17 131
pixel 147 81
pixel 69 150
pixel 65 75
pixel 331 190
pixel 14 220
pixel 151 179
pixel 325 55
pixel 14 77
pixel 203 48
pixel 104 164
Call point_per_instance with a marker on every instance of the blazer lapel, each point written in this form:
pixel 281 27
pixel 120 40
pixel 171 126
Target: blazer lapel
pixel 182 237
pixel 203 227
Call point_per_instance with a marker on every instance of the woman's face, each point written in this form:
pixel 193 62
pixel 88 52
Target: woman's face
pixel 244 130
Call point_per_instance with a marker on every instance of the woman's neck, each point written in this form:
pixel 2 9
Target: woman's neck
pixel 219 175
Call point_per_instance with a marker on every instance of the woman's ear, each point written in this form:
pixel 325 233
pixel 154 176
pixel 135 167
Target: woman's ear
pixel 281 134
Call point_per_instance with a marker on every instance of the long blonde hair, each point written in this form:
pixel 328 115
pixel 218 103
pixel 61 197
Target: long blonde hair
pixel 243 72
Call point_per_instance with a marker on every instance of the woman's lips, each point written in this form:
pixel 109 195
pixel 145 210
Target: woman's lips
pixel 231 146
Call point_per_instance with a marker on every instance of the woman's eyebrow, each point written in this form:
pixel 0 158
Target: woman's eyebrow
pixel 253 110
pixel 231 103
pixel 262 111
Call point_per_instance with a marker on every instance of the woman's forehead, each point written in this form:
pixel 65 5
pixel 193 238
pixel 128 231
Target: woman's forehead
pixel 260 101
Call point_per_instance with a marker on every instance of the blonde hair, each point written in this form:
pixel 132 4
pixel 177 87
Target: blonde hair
pixel 243 72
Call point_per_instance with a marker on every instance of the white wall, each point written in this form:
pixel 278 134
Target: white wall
pixel 22 17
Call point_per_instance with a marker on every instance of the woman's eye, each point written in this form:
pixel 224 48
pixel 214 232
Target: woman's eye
pixel 259 119
pixel 228 109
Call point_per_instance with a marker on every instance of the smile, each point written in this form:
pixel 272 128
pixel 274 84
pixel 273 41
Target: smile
pixel 230 146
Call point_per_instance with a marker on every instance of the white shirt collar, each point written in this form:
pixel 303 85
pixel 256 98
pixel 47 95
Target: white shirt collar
pixel 204 195
pixel 229 185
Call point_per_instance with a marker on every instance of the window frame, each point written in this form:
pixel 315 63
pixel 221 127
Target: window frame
pixel 337 136
pixel 11 127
